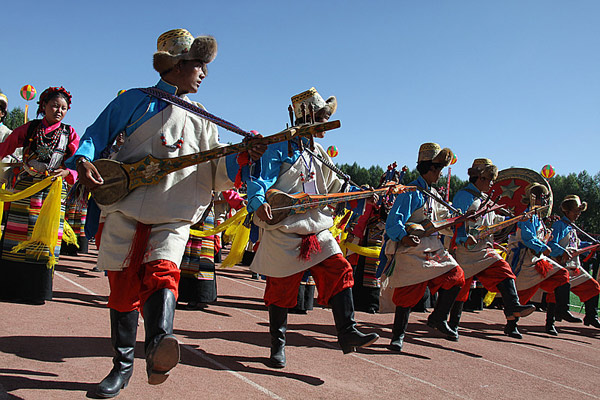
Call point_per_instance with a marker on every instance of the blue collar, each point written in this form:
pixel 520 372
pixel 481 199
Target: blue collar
pixel 167 87
pixel 473 188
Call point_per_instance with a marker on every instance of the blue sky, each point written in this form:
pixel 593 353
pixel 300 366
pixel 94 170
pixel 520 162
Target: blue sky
pixel 514 81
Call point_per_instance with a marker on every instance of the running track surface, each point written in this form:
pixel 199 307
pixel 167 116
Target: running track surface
pixel 62 350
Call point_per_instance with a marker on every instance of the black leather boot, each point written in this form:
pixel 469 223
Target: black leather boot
pixel 510 298
pixel 277 329
pixel 591 312
pixel 511 329
pixel 399 328
pixel 438 319
pixel 455 315
pixel 349 337
pixel 550 311
pixel 562 294
pixel 123 330
pixel 162 347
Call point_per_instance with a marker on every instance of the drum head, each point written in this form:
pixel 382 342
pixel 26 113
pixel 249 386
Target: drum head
pixel 511 185
pixel 116 182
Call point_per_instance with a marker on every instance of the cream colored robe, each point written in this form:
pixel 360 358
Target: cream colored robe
pixel 527 276
pixel 426 261
pixel 277 254
pixel 577 275
pixel 176 202
pixel 482 255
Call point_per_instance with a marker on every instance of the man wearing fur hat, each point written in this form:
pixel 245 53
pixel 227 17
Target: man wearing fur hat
pixel 563 243
pixel 421 262
pixel 479 258
pixel 301 242
pixel 528 256
pixel 145 233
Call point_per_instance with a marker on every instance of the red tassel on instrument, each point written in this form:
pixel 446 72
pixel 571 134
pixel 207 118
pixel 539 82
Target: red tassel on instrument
pixel 243 159
pixel 310 244
pixel 543 267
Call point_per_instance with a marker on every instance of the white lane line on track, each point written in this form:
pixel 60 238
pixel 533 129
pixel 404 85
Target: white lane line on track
pixel 60 275
pixel 236 374
pixel 398 372
pixel 539 377
pixel 196 352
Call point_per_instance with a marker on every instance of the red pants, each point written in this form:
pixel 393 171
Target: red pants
pixel 489 277
pixel 548 285
pixel 585 291
pixel 331 276
pixel 130 288
pixel 409 296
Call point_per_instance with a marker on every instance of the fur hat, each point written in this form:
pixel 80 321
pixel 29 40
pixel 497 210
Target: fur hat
pixel 535 189
pixel 311 96
pixel 483 167
pixel 433 152
pixel 178 44
pixel 572 202
pixel 4 99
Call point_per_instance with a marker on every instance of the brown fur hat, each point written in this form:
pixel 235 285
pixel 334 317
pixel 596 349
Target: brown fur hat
pixel 311 96
pixel 483 167
pixel 572 202
pixel 178 44
pixel 433 152
pixel 534 190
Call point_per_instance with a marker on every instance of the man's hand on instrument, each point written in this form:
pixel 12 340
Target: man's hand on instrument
pixel 256 150
pixel 471 241
pixel 410 241
pixel 547 251
pixel 89 175
pixel 566 256
pixel 264 212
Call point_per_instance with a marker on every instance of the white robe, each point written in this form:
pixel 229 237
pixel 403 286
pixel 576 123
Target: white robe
pixel 172 205
pixel 277 254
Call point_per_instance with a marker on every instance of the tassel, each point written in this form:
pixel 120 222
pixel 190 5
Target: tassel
pixel 242 235
pixel 489 297
pixel 543 267
pixel 45 232
pixel 243 159
pixel 310 244
pixel 137 250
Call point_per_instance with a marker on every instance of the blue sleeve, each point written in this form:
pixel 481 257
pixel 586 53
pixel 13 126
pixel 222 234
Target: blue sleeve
pixel 462 201
pixel 559 231
pixel 258 184
pixel 404 205
pixel 529 236
pixel 115 118
pixel 232 167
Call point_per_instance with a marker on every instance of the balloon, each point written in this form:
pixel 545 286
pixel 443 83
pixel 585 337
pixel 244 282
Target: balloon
pixel 454 159
pixel 120 92
pixel 28 92
pixel 548 171
pixel 332 151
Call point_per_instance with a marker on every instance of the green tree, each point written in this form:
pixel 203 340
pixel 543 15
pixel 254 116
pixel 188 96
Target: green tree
pixel 14 118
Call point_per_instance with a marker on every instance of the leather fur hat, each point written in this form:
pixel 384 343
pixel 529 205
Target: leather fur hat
pixel 572 202
pixel 535 190
pixel 433 152
pixel 178 44
pixel 483 167
pixel 311 96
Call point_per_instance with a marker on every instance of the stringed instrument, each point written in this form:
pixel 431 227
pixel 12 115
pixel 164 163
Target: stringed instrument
pixel 579 252
pixel 283 204
pixel 485 231
pixel 121 178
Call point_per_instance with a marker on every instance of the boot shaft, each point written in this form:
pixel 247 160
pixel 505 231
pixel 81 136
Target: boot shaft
pixel 159 313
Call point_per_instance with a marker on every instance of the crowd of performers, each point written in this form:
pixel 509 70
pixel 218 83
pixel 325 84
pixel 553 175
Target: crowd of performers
pixel 153 256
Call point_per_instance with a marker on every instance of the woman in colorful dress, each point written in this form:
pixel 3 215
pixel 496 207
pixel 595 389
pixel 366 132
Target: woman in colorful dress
pixel 46 143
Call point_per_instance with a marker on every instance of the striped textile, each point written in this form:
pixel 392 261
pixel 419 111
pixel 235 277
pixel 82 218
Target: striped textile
pixel 75 215
pixel 374 233
pixel 199 258
pixel 21 219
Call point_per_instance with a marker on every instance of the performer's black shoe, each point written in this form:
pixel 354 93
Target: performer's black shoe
pixel 123 327
pixel 562 304
pixel 442 327
pixel 567 316
pixel 162 347
pixel 510 298
pixel 591 312
pixel 455 315
pixel 550 311
pixel 438 319
pixel 349 338
pixel 399 329
pixel 511 329
pixel 277 329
